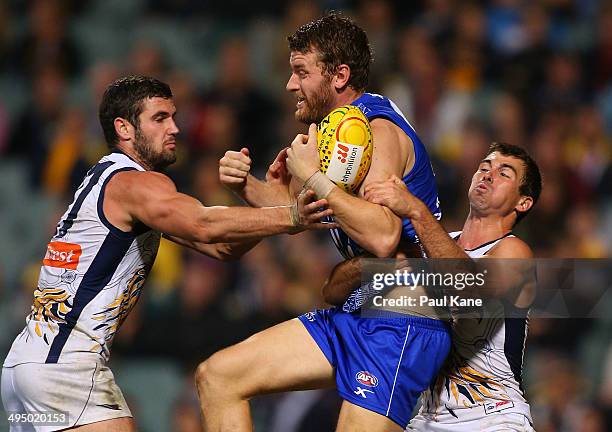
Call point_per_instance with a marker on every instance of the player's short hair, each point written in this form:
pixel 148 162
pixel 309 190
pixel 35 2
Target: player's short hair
pixel 124 98
pixel 337 40
pixel 531 183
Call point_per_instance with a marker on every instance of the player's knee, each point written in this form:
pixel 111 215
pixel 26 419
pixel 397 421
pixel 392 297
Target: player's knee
pixel 204 377
pixel 211 377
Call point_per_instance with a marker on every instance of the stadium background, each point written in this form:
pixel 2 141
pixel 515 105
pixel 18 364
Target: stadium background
pixel 534 73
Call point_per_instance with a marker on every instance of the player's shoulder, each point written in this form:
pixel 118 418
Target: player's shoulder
pixel 391 143
pixel 140 183
pixel 383 124
pixel 142 178
pixel 511 247
pixel 385 129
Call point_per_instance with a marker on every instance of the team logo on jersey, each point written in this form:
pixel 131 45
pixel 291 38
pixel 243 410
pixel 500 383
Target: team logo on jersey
pixel 63 255
pixel 114 314
pixel 366 378
pixel 465 386
pixel 49 309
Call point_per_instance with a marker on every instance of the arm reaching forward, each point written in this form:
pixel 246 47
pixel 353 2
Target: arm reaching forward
pixel 513 277
pixel 152 199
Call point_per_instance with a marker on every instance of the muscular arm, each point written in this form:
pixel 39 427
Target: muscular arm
pixel 347 275
pixel 510 278
pixel 343 280
pixel 374 227
pixel 434 238
pixel 371 225
pixel 220 251
pixel 259 193
pixel 152 199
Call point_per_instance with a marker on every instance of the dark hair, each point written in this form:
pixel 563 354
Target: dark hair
pixel 531 183
pixel 338 40
pixel 124 98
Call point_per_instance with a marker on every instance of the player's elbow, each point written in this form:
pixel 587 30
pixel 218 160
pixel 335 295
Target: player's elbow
pixel 205 235
pixel 385 245
pixel 383 240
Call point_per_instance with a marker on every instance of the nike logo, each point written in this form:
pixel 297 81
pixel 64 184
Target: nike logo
pixel 109 406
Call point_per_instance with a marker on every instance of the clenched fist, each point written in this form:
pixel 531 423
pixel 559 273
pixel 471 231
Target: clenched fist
pixel 234 168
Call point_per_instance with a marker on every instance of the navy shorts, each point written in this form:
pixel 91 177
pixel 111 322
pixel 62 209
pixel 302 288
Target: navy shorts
pixel 382 363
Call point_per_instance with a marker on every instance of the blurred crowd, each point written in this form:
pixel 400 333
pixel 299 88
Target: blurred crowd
pixel 465 73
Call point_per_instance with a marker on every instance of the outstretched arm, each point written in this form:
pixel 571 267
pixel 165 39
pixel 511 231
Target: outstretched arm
pixel 152 199
pixel 220 251
pixel 394 194
pixel 512 278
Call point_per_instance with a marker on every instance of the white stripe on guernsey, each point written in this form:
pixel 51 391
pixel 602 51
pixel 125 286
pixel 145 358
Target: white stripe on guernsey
pixel 397 370
pixel 397 110
pixel 336 238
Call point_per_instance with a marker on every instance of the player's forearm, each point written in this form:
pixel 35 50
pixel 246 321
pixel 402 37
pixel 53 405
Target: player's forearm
pixel 438 244
pixel 434 238
pixel 235 250
pixel 343 280
pixel 237 224
pixel 258 193
pixel 375 228
pixel 220 251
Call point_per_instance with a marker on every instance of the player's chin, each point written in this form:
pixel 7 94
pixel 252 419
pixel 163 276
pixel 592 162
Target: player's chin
pixel 169 157
pixel 299 115
pixel 304 116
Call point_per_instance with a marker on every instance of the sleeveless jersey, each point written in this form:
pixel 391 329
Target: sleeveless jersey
pixel 420 180
pixel 484 367
pixel 91 277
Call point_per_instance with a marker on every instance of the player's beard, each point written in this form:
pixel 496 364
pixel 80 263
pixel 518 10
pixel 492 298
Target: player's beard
pixel 317 105
pixel 158 160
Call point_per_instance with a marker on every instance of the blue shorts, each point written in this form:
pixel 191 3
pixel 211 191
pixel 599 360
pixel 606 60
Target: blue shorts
pixel 382 363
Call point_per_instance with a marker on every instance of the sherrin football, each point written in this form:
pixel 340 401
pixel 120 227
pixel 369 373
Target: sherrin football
pixel 344 140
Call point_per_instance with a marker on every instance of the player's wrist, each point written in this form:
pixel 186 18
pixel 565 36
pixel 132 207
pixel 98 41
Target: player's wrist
pixel 416 210
pixel 320 184
pixel 303 173
pixel 295 221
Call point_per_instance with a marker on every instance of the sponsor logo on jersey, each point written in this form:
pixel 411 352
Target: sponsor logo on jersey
pixel 492 407
pixel 63 255
pixel 366 378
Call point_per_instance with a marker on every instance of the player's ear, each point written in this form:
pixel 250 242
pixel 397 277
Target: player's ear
pixel 342 76
pixel 524 204
pixel 123 129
